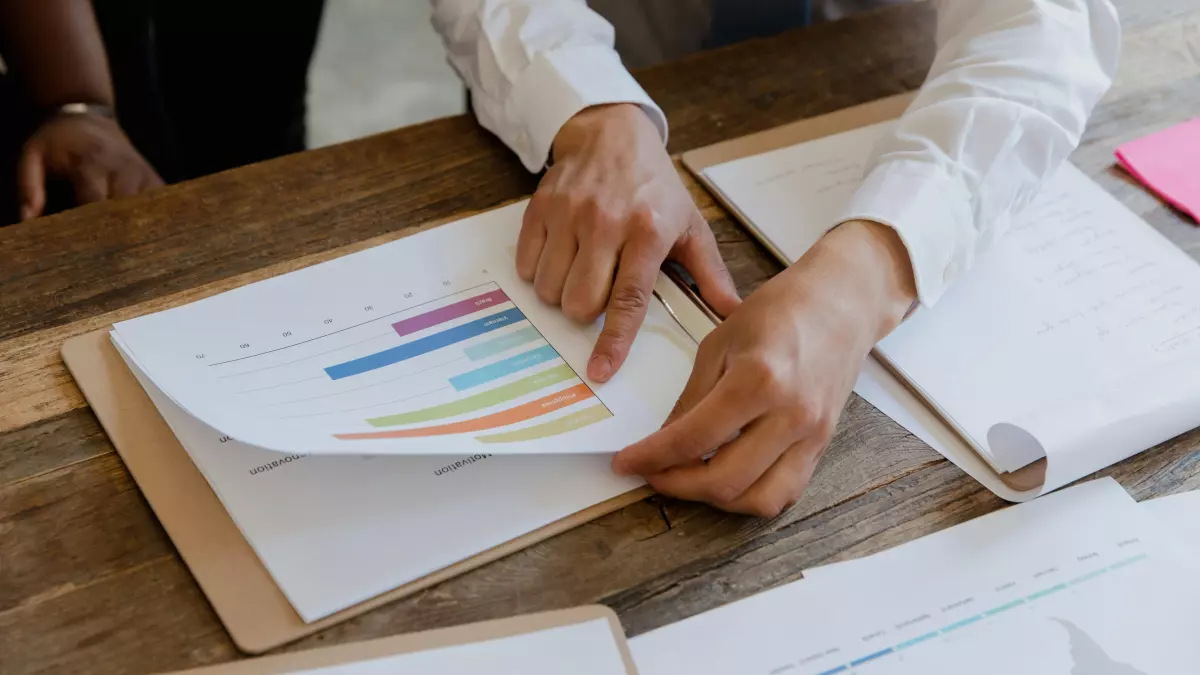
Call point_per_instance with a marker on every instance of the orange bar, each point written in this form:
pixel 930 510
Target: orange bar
pixel 525 411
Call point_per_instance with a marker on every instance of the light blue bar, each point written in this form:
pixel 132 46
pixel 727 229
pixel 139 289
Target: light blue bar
pixel 831 671
pixel 1004 608
pixel 1127 561
pixel 871 657
pixel 1087 577
pixel 426 344
pixel 965 622
pixel 1048 591
pixel 916 641
pixel 478 352
pixel 497 370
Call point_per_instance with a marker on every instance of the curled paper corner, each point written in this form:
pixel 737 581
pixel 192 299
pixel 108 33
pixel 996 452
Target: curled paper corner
pixel 1019 445
pixel 1015 444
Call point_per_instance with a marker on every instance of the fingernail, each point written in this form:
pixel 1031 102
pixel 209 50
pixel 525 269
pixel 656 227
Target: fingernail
pixel 26 212
pixel 599 367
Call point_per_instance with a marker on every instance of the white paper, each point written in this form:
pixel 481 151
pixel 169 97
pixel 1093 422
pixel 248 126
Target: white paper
pixel 1067 340
pixel 1077 582
pixel 1177 518
pixel 1180 514
pixel 334 531
pixel 328 359
pixel 587 648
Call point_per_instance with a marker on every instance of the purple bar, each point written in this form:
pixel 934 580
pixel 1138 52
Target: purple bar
pixel 449 312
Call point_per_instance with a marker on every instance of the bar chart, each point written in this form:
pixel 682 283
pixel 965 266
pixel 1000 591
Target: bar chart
pixel 470 363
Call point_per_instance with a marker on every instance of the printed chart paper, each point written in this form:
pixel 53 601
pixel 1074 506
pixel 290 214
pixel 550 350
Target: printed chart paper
pixel 334 531
pixel 1091 588
pixel 425 345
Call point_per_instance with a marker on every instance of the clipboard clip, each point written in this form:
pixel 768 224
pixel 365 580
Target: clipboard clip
pixel 679 276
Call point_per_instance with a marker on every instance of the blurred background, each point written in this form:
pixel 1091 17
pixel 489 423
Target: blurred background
pixel 378 65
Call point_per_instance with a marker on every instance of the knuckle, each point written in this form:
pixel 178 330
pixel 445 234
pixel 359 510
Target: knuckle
pixel 628 299
pixel 724 491
pixel 578 306
pixel 643 224
pixel 768 506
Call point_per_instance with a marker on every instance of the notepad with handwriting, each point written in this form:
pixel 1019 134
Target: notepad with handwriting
pixel 1075 337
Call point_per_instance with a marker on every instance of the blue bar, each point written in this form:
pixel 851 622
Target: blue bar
pixel 497 370
pixel 1048 591
pixel 831 671
pixel 960 624
pixel 425 345
pixel 916 641
pixel 871 657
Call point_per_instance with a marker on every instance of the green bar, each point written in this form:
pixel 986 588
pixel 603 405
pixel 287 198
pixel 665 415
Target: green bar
pixel 960 624
pixel 916 640
pixel 576 420
pixel 502 344
pixel 481 400
pixel 1127 561
pixel 1005 608
pixel 1048 591
pixel 1086 577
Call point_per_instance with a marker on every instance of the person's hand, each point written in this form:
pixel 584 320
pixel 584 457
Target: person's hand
pixel 770 382
pixel 91 152
pixel 606 215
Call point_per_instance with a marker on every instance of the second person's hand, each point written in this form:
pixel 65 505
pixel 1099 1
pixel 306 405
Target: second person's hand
pixel 606 215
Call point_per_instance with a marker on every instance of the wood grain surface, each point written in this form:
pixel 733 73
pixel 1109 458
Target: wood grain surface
pixel 89 582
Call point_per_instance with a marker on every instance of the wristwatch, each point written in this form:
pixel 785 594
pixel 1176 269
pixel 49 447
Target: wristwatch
pixel 97 109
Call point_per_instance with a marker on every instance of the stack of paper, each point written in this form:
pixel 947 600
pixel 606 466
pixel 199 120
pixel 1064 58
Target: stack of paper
pixel 374 419
pixel 1074 339
pixel 1083 581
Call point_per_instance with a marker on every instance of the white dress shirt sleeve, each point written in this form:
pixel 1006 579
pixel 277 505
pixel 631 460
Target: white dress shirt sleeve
pixel 532 64
pixel 1006 101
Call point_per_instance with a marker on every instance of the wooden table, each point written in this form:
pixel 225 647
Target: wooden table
pixel 89 581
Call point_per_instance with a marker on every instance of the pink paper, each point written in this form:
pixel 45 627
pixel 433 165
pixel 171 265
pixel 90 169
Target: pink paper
pixel 1168 163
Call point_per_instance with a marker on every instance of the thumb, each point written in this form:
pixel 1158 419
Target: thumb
pixel 31 182
pixel 627 304
pixel 698 253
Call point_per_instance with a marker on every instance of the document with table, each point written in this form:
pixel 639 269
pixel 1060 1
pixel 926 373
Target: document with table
pixel 1073 343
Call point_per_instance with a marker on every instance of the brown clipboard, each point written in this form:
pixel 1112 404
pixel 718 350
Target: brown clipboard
pixel 237 585
pixel 882 110
pixel 418 642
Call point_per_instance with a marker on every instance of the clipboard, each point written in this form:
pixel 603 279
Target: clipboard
pixel 1023 482
pixel 253 609
pixel 423 641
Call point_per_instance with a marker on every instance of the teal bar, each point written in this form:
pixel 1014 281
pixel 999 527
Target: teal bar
pixel 1127 561
pixel 1087 577
pixel 502 344
pixel 497 370
pixel 1004 608
pixel 916 641
pixel 964 622
pixel 1048 591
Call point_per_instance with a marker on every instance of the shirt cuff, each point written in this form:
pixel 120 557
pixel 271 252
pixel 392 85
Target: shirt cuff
pixel 558 84
pixel 932 214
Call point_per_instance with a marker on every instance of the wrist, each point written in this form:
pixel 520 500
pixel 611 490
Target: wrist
pixel 625 121
pixel 872 269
